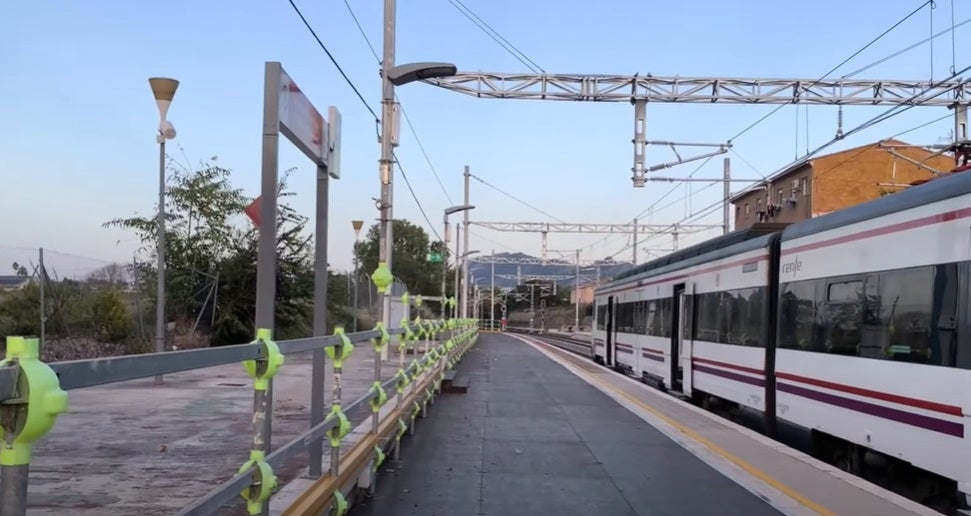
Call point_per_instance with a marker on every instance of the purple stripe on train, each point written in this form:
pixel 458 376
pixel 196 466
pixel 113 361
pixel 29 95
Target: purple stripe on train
pixel 909 418
pixel 656 358
pixel 731 376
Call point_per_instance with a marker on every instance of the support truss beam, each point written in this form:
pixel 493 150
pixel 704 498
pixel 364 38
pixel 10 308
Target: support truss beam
pixel 626 88
pixel 552 227
pixel 536 277
pixel 530 261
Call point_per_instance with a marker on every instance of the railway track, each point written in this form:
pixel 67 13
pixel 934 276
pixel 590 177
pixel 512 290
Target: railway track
pixel 575 346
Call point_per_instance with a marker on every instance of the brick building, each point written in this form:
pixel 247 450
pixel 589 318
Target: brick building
pixel 820 185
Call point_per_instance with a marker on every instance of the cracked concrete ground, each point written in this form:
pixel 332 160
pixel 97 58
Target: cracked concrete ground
pixel 137 448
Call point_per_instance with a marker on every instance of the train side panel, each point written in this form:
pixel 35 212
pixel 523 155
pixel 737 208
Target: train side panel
pixel 873 333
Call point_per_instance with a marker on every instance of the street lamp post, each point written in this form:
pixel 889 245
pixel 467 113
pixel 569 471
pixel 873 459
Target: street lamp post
pixel 460 292
pixel 448 211
pixel 392 76
pixel 357 225
pixel 163 89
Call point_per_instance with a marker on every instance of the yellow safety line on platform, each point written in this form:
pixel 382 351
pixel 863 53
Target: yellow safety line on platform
pixel 738 461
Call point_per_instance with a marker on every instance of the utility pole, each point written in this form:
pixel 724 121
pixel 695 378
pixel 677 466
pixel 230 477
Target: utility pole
pixel 532 311
pixel 576 294
pixel 727 192
pixel 386 164
pixel 464 301
pixel 492 294
pixel 445 266
pixel 458 256
pixel 635 242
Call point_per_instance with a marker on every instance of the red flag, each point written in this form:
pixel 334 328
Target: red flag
pixel 253 212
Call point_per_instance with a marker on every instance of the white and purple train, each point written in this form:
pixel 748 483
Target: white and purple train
pixel 855 326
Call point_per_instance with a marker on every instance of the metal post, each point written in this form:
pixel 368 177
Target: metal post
pixel 465 245
pixel 215 300
pixel 13 489
pixel 445 264
pixel 532 312
pixel 727 193
pixel 960 122
pixel 387 151
pixel 635 241
pixel 576 291
pixel 458 256
pixel 160 252
pixel 640 142
pixel 43 313
pixel 316 447
pixel 356 287
pixel 492 294
pixel 266 255
pixel 336 450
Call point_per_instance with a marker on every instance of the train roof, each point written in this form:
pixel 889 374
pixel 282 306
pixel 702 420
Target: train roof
pixel 941 188
pixel 733 243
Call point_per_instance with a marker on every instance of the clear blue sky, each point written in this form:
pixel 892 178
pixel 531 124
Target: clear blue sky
pixel 77 125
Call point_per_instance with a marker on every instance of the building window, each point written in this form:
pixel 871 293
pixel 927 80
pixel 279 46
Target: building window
pixel 780 198
pixel 805 187
pixel 748 210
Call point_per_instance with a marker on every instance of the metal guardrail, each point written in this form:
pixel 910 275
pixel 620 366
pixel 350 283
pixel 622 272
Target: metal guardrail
pixel 33 394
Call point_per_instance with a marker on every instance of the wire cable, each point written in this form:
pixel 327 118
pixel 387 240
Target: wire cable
pixel 884 33
pixel 333 60
pixel 908 49
pixel 421 147
pixel 517 199
pixel 363 34
pixel 512 49
pixel 415 197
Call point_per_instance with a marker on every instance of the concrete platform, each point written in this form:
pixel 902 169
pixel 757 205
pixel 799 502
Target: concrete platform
pixel 530 437
pixel 137 448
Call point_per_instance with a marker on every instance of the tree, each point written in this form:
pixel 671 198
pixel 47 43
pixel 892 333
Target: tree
pixel 198 235
pixel 409 257
pixel 205 251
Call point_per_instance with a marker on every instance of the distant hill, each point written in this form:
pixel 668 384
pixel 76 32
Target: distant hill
pixel 554 267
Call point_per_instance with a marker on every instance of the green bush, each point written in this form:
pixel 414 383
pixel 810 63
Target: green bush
pixel 20 312
pixel 108 315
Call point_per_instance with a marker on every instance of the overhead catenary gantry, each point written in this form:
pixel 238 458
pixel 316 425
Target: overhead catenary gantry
pixel 639 90
pixel 635 229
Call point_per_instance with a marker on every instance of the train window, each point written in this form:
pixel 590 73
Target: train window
pixel 902 319
pixel 905 315
pixel 731 317
pixel 747 328
pixel 651 316
pixel 845 292
pixel 797 314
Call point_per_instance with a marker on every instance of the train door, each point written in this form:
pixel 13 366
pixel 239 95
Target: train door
pixel 686 335
pixel 609 353
pixel 676 367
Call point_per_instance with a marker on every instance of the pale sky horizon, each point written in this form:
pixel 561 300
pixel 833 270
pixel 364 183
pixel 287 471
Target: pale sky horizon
pixel 77 131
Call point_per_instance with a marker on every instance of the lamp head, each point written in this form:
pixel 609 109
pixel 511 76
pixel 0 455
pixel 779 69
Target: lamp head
pixel 163 89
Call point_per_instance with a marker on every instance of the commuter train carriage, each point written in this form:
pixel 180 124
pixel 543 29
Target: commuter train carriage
pixel 695 321
pixel 854 325
pixel 874 326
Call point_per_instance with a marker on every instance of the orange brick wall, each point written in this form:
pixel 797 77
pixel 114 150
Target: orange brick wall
pixel 841 180
pixel 850 178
